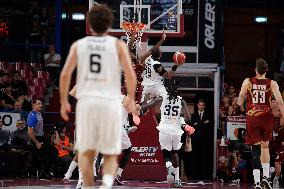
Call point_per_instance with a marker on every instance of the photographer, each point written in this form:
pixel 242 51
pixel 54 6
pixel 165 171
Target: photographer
pixel 63 145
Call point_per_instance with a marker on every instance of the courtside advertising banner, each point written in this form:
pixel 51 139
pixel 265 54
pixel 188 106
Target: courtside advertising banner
pixel 210 31
pixel 233 124
pixel 9 120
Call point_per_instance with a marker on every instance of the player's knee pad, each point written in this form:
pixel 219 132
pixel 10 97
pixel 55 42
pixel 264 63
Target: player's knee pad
pixel 256 152
pixel 167 155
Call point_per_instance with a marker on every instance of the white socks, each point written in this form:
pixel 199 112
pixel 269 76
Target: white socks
pixel 94 167
pixel 107 181
pixel 71 168
pixel 176 172
pixel 119 171
pixel 256 176
pixel 265 169
pixel 80 175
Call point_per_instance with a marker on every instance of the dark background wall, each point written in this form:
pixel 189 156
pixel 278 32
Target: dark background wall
pixel 245 40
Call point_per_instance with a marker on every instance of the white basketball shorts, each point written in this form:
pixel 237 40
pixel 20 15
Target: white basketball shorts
pixel 99 125
pixel 153 90
pixel 169 142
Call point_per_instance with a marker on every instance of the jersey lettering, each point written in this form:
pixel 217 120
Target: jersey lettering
pixel 258 94
pixel 95 63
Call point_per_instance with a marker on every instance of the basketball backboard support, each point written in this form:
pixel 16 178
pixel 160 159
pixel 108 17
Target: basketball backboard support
pixel 158 15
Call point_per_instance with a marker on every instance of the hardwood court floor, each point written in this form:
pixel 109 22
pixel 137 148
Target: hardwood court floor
pixel 20 183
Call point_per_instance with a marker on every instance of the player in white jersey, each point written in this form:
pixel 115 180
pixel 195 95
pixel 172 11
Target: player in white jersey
pixel 153 75
pixel 170 128
pixel 99 59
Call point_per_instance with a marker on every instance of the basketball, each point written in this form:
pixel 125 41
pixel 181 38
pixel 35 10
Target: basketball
pixel 179 58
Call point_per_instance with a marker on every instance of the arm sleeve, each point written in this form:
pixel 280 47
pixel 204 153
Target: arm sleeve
pixel 32 120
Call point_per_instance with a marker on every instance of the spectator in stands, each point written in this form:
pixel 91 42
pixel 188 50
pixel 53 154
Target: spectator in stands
pixel 4 138
pixel 231 93
pixel 235 109
pixel 224 112
pixel 19 87
pixel 43 153
pixel 202 137
pixel 4 81
pixel 18 109
pixel 22 143
pixel 63 145
pixel 7 98
pixel 52 63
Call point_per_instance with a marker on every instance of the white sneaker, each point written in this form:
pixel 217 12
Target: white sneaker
pixel 276 184
pixel 79 184
pixel 170 175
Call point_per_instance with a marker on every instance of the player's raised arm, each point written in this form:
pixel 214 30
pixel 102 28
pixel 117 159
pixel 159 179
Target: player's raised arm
pixel 157 46
pixel 243 92
pixel 64 82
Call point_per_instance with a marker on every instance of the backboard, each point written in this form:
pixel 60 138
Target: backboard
pixel 158 15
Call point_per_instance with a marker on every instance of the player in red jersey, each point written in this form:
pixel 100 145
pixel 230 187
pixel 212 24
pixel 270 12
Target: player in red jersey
pixel 258 91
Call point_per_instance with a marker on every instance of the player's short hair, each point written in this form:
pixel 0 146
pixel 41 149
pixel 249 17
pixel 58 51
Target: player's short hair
pixel 100 18
pixel 261 66
pixel 156 53
pixel 201 101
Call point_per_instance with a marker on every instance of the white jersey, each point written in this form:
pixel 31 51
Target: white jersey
pixel 170 116
pixel 150 76
pixel 98 68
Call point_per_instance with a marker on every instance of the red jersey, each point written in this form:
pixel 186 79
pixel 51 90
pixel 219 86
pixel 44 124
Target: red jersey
pixel 258 98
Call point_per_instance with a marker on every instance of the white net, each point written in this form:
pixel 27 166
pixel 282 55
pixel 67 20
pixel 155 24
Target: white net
pixel 129 28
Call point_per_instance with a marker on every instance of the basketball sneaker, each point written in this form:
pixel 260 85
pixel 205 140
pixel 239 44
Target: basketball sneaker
pixel 257 186
pixel 170 175
pixel 118 180
pixel 276 183
pixel 266 183
pixel 177 184
pixel 130 128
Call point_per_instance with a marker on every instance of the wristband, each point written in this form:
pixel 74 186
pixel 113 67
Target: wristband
pixel 174 68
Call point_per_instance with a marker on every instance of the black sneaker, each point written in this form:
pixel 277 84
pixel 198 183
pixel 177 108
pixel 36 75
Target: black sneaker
pixel 257 186
pixel 266 183
pixel 118 180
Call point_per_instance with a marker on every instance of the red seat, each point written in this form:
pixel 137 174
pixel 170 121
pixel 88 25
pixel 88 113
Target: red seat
pixel 6 67
pixel 40 82
pixel 20 66
pixel 26 74
pixel 44 75
pixel 35 92
pixel 37 66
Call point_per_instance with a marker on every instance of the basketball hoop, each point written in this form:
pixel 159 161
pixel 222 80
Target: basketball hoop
pixel 129 28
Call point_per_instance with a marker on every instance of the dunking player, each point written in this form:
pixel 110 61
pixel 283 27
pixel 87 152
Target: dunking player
pixel 259 119
pixel 170 130
pixel 154 73
pixel 98 113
